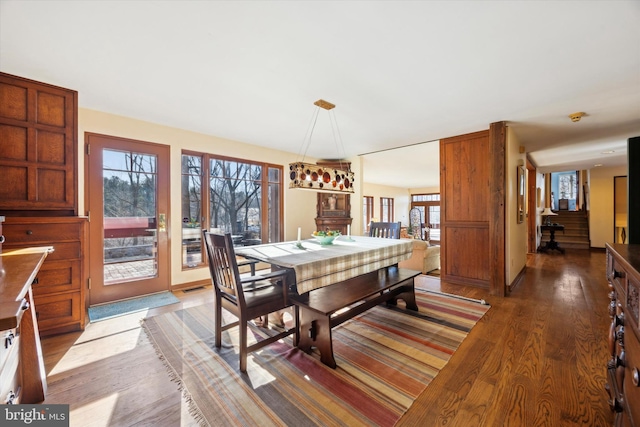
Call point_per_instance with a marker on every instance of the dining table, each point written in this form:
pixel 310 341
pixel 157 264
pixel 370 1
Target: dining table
pixel 354 272
pixel 317 265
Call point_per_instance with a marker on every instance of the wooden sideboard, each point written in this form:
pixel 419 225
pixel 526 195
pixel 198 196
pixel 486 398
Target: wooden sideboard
pixel 623 369
pixel 59 287
pixel 22 374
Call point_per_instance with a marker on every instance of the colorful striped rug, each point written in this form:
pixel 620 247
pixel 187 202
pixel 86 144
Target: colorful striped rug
pixel 386 357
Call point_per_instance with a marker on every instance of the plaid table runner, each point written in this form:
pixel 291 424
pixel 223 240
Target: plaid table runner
pixel 321 265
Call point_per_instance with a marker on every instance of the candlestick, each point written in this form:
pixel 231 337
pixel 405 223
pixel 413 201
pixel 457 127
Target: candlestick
pixel 299 234
pixel 348 230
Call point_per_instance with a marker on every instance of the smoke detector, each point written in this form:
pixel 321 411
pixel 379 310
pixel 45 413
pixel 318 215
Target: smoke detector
pixel 575 117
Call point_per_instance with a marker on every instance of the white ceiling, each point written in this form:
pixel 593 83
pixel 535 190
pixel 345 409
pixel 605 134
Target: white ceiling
pixel 400 72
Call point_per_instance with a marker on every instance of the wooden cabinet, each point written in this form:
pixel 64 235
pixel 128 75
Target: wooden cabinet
pixel 623 369
pixel 58 289
pixel 333 212
pixel 38 193
pixel 38 146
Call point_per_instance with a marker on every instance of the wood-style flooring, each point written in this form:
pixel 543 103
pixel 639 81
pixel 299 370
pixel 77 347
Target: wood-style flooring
pixel 537 358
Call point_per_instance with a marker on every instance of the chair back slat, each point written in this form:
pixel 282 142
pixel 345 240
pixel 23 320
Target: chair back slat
pixel 223 266
pixel 387 230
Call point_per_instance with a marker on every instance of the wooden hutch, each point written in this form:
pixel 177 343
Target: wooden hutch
pixel 39 195
pixel 333 210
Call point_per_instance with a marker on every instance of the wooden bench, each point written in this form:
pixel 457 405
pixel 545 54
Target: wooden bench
pixel 322 309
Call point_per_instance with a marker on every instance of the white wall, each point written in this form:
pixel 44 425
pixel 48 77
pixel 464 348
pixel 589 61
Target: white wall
pixel 601 221
pixel 515 234
pixel 401 202
pixel 299 205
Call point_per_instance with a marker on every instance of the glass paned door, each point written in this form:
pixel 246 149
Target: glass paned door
pixel 128 210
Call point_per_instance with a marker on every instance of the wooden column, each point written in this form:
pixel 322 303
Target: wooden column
pixel 633 185
pixel 497 220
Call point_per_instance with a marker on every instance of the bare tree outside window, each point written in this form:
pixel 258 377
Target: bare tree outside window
pixel 235 198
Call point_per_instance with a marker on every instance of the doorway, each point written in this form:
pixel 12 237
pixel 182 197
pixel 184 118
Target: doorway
pixel 429 207
pixel 128 203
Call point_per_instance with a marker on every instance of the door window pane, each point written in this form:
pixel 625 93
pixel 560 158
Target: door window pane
pixel 130 241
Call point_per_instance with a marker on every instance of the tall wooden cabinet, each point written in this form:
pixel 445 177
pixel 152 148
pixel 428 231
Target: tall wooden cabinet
pixel 39 193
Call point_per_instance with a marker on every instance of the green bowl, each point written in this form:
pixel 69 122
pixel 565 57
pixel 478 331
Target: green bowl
pixel 325 240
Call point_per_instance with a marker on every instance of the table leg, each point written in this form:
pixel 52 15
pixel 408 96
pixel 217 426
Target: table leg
pixel 408 295
pixel 315 330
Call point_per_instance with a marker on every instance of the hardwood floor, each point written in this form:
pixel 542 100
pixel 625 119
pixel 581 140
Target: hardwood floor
pixel 537 358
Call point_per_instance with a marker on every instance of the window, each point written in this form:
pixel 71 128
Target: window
pixel 367 213
pixel 567 184
pixel 386 209
pixel 237 196
pixel 192 207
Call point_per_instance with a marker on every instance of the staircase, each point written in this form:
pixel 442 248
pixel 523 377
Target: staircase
pixel 576 230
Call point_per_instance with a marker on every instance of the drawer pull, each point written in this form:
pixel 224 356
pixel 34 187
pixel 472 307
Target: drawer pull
pixel 25 305
pixel 1 238
pixel 8 340
pixel 29 233
pixel 635 377
pixel 11 398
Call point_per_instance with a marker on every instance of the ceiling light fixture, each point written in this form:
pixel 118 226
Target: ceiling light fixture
pixel 322 177
pixel 608 152
pixel 575 117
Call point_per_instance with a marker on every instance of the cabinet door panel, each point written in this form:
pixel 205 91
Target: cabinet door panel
pixel 14 142
pixel 38 126
pixel 15 96
pixel 54 277
pixel 58 310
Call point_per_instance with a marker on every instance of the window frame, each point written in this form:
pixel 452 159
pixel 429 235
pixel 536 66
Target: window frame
pixel 386 209
pixel 265 208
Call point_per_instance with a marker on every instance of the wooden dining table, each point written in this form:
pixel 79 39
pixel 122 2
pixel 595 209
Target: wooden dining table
pixel 353 272
pixel 317 265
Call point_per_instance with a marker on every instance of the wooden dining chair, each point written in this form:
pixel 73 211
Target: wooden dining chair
pixel 246 297
pixel 388 230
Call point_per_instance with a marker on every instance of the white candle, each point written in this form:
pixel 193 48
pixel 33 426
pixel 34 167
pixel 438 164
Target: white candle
pixel 348 230
pixel 299 234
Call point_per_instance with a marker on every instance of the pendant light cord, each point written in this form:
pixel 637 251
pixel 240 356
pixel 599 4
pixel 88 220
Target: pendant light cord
pixel 335 130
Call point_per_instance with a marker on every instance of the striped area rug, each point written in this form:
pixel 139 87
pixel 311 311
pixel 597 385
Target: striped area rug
pixel 386 357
